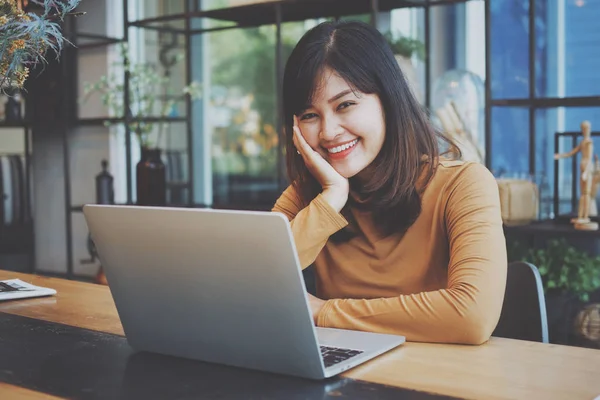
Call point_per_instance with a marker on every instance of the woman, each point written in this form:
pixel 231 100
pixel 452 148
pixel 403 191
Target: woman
pixel 403 240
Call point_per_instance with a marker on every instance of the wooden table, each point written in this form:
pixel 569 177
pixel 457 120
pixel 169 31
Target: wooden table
pixel 498 369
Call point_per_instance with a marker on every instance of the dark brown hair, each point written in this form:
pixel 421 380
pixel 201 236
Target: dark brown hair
pixel 359 54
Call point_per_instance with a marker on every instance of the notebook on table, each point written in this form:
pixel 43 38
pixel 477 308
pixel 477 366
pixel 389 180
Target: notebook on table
pixel 17 289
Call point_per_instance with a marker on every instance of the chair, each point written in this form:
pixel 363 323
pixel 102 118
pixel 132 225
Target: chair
pixel 523 313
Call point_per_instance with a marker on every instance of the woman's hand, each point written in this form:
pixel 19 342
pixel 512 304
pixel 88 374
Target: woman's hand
pixel 316 305
pixel 335 186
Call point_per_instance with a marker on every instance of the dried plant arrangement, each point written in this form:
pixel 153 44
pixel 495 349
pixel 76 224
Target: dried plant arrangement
pixel 26 37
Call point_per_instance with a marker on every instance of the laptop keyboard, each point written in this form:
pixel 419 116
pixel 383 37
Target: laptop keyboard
pixel 334 355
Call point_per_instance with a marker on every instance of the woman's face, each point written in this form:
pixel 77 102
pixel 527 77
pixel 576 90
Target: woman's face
pixel 346 127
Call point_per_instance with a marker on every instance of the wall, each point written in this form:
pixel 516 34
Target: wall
pixel 12 140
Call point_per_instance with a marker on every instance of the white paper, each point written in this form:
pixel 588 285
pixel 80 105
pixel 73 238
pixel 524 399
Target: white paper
pixel 23 290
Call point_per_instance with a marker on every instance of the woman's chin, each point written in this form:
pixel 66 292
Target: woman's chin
pixel 347 171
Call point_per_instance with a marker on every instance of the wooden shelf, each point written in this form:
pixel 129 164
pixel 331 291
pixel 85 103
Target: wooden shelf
pixel 550 227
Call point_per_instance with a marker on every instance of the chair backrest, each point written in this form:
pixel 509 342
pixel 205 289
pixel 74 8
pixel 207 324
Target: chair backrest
pixel 524 310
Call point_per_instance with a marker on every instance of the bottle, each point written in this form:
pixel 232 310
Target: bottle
pixel 104 186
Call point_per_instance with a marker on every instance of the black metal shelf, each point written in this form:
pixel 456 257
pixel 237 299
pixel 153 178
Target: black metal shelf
pixel 111 121
pixel 96 40
pixel 548 102
pixel 21 124
pixel 265 13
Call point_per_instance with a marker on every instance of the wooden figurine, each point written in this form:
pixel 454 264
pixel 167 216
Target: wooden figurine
pixel 586 170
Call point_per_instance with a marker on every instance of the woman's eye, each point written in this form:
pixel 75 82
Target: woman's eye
pixel 307 116
pixel 345 104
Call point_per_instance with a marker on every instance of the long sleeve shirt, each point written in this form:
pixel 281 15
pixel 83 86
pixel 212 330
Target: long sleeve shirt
pixel 442 280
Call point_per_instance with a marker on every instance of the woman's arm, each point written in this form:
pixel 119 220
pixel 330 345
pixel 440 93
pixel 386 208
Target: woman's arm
pixel 311 226
pixel 469 309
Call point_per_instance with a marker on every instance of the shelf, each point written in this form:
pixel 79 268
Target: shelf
pixel 112 121
pixel 178 185
pixel 91 40
pixel 548 102
pixel 264 13
pixel 17 239
pixel 550 227
pixel 22 124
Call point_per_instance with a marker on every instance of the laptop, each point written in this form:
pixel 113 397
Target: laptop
pixel 219 286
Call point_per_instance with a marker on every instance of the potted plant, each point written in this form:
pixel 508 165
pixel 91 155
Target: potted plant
pixel 404 49
pixel 149 97
pixel 569 277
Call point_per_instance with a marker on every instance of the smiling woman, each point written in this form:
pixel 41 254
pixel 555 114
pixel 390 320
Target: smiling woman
pixel 405 238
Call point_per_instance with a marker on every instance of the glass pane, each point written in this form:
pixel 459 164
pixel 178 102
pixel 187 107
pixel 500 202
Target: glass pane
pixel 173 139
pixel 567 55
pixel 447 40
pixel 548 123
pixel 94 21
pixel 510 141
pixel 164 57
pixel 217 4
pixel 148 10
pixel 475 38
pixel 458 105
pixel 457 92
pixel 157 79
pixel 242 117
pixel 404 30
pixel 509 49
pixel 92 65
pixel 156 8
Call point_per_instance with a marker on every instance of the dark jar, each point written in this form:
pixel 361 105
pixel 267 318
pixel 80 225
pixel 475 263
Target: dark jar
pixel 151 179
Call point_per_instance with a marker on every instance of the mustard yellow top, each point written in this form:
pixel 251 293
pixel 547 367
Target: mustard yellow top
pixel 443 280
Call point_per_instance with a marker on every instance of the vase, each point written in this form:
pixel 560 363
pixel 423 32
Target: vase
pixel 151 178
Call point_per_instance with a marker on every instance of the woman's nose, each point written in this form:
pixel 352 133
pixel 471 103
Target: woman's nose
pixel 330 128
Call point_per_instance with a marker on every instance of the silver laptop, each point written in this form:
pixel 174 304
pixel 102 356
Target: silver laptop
pixel 219 286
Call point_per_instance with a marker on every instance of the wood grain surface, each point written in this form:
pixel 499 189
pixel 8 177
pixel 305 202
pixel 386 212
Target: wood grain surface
pixel 85 305
pixel 18 393
pixel 499 369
